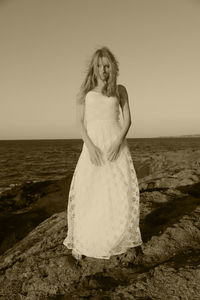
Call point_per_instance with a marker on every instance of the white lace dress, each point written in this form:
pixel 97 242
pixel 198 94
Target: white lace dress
pixel 103 202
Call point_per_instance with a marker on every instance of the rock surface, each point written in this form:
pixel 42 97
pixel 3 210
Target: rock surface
pixel 44 199
pixel 165 266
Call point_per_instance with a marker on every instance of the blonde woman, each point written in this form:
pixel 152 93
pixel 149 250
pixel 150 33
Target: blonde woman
pixel 103 202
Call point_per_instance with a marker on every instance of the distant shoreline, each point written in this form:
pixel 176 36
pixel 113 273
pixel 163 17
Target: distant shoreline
pixel 78 139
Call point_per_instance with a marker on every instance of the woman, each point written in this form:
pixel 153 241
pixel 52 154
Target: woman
pixel 103 203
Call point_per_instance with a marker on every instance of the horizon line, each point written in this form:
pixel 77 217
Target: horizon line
pixel 155 137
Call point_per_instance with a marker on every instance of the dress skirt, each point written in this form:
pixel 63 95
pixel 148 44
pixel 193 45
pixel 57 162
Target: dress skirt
pixel 103 202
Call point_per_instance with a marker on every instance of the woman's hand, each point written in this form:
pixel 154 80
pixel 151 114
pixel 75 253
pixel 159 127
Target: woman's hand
pixel 96 155
pixel 114 150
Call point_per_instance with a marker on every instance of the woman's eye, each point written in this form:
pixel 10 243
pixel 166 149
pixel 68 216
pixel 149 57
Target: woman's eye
pixel 107 66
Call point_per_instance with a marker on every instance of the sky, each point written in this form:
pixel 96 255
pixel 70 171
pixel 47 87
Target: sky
pixel 45 47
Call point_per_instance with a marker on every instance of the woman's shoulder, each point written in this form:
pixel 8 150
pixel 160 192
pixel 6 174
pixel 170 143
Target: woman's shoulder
pixel 122 92
pixel 88 93
pixel 121 89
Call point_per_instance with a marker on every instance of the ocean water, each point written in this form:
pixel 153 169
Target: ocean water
pixel 39 160
pixel 36 160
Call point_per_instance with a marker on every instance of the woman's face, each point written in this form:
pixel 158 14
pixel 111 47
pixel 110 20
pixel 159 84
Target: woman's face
pixel 103 67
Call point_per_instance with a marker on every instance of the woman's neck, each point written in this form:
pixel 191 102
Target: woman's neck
pixel 100 86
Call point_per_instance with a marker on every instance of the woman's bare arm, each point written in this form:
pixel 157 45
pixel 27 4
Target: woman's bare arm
pixel 124 103
pixel 80 108
pixel 94 152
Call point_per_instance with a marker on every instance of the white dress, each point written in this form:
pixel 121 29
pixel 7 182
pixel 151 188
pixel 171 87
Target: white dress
pixel 103 202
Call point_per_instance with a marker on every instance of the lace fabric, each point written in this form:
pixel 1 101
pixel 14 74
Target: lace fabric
pixel 103 202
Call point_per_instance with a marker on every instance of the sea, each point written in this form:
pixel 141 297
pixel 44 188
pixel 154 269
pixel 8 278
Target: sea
pixel 40 160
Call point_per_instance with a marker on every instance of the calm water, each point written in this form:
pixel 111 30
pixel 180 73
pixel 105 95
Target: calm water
pixel 39 160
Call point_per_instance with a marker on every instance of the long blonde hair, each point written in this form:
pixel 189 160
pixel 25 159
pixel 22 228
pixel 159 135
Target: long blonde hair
pixel 90 81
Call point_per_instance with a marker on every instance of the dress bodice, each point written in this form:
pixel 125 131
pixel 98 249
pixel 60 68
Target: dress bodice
pixel 101 107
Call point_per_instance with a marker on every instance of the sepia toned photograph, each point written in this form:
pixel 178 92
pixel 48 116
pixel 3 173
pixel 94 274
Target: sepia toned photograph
pixel 100 150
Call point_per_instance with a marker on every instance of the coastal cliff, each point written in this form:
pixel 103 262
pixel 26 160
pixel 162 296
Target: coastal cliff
pixel 36 265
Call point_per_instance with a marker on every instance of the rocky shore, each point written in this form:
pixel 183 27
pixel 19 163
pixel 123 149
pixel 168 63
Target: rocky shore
pixel 34 264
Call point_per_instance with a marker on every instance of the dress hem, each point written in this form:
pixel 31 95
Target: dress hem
pixel 104 257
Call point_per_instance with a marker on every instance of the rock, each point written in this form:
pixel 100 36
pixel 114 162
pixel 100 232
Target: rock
pixel 165 266
pixel 43 200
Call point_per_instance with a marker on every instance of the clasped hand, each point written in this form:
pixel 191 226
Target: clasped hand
pixel 113 151
pixel 96 154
